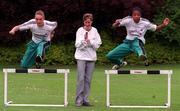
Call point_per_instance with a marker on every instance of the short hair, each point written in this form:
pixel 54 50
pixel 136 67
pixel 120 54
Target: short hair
pixel 40 12
pixel 88 16
pixel 137 9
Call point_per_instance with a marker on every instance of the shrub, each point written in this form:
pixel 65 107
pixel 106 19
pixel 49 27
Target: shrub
pixel 63 53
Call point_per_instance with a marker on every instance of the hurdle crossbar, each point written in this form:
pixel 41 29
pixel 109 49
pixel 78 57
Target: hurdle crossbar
pixel 153 72
pixel 12 70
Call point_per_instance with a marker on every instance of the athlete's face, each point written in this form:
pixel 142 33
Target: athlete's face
pixel 136 15
pixel 39 20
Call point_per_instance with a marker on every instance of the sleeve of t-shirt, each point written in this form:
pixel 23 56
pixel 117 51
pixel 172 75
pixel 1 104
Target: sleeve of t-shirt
pixel 32 21
pixel 124 21
pixel 25 27
pixel 151 26
pixel 53 25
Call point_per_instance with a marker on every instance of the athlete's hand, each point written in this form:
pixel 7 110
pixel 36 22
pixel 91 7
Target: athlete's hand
pixel 12 32
pixel 116 23
pixel 166 21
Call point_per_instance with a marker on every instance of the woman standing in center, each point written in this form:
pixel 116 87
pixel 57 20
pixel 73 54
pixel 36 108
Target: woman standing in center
pixel 87 42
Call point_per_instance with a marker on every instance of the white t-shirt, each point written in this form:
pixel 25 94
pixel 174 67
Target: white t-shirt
pixel 86 51
pixel 136 30
pixel 39 33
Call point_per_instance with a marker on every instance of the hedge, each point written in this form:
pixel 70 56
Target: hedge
pixel 63 53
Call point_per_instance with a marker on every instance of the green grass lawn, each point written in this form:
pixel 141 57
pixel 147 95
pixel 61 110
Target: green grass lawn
pixel 125 90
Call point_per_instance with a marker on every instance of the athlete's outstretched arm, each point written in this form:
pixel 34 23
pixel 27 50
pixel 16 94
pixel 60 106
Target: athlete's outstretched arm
pixel 14 29
pixel 164 24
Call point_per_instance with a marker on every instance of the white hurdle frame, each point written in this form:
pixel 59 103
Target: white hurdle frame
pixel 59 71
pixel 153 72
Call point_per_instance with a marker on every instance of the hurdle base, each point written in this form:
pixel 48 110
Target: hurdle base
pixel 37 105
pixel 114 106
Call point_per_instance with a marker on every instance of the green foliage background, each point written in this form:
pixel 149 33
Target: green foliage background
pixel 63 54
pixel 171 34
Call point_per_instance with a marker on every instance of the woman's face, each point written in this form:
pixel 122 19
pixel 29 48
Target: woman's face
pixel 87 23
pixel 39 20
pixel 136 15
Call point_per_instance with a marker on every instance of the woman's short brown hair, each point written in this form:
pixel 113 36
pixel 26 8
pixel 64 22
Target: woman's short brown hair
pixel 87 16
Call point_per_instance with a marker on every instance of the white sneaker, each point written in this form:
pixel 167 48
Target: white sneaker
pixel 146 63
pixel 116 67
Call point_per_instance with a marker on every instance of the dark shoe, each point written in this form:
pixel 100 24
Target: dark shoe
pixel 38 65
pixel 39 59
pixel 78 104
pixel 87 104
pixel 38 62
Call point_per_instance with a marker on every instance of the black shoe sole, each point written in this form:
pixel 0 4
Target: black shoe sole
pixel 38 59
pixel 87 104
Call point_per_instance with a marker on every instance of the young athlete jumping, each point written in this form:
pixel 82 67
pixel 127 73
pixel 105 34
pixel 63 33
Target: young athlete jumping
pixel 136 28
pixel 42 31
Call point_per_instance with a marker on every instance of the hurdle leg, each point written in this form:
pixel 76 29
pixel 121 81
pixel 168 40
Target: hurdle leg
pixel 169 91
pixel 5 88
pixel 65 89
pixel 107 90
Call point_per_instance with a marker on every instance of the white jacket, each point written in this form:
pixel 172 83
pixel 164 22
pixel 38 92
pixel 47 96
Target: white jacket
pixel 85 51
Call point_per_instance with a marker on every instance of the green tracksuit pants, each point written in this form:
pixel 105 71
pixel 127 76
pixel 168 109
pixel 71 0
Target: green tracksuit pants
pixel 32 51
pixel 128 46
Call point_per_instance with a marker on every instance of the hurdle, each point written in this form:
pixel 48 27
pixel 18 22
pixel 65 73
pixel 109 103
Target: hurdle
pixel 153 72
pixel 58 71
